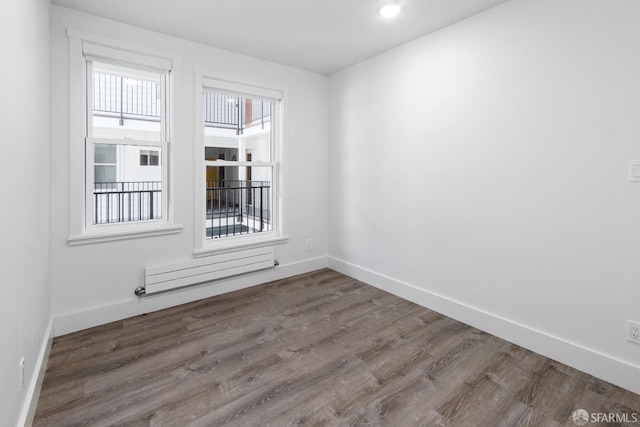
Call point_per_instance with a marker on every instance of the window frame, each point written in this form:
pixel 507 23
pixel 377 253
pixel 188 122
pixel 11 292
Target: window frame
pixel 206 80
pixel 81 142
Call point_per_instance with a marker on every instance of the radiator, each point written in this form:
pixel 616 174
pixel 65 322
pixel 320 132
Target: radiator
pixel 164 278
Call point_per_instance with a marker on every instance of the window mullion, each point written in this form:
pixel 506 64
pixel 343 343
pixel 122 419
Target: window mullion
pixel 132 142
pixel 89 147
pixel 89 98
pixel 89 183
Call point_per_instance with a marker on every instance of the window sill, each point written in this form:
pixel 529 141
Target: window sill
pixel 234 246
pixel 86 239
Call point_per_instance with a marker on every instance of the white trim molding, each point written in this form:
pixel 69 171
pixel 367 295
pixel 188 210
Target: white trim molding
pixel 32 394
pixel 238 245
pixel 104 237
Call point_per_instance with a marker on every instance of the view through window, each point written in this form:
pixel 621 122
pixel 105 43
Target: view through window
pixel 238 158
pixel 125 144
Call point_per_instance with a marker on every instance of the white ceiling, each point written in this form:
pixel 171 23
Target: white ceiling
pixel 317 35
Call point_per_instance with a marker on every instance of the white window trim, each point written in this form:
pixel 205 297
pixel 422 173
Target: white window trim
pixel 261 90
pixel 79 232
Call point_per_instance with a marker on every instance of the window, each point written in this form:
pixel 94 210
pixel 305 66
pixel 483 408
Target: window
pixel 120 140
pixel 149 158
pixel 240 197
pixel 105 163
pixel 127 112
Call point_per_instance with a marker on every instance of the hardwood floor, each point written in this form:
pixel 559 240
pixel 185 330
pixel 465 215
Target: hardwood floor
pixel 317 349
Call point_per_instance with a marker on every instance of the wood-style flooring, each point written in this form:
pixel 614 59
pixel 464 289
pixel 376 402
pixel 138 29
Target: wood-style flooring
pixel 320 349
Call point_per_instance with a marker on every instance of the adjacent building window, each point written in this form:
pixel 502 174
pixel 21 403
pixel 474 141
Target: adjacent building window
pixel 240 163
pixel 149 158
pixel 125 137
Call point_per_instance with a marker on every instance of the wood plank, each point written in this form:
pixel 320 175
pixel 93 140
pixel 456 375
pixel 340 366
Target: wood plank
pixel 553 391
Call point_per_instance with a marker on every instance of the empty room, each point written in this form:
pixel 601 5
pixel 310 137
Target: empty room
pixel 384 213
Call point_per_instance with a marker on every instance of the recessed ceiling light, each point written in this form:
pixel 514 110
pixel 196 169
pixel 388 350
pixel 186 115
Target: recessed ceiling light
pixel 390 10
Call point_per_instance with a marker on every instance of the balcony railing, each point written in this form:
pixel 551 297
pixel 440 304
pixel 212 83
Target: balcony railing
pixel 237 113
pixel 125 98
pixel 236 207
pixel 137 99
pixel 115 202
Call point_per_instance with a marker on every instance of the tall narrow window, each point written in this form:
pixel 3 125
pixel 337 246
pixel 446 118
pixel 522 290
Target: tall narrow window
pixel 126 131
pixel 241 197
pixel 238 162
pixel 120 129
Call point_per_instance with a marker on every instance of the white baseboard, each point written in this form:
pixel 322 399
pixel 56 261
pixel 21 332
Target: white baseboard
pixel 32 392
pixel 75 321
pixel 593 362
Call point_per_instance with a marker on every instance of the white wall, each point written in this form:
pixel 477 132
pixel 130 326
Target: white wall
pixel 482 170
pixel 24 215
pixel 94 283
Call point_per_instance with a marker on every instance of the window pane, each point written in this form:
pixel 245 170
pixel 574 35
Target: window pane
pixel 125 189
pixel 237 127
pixel 154 159
pixel 218 153
pixel 238 200
pixel 127 103
pixel 104 173
pixel 258 148
pixel 105 153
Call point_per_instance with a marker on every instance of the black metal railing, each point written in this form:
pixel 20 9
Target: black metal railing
pixel 115 202
pixel 138 99
pixel 237 113
pixel 237 207
pixel 125 98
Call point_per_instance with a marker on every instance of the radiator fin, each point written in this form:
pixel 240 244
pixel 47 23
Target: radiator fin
pixel 164 278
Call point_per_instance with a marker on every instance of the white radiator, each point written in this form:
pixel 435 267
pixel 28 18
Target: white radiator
pixel 164 278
